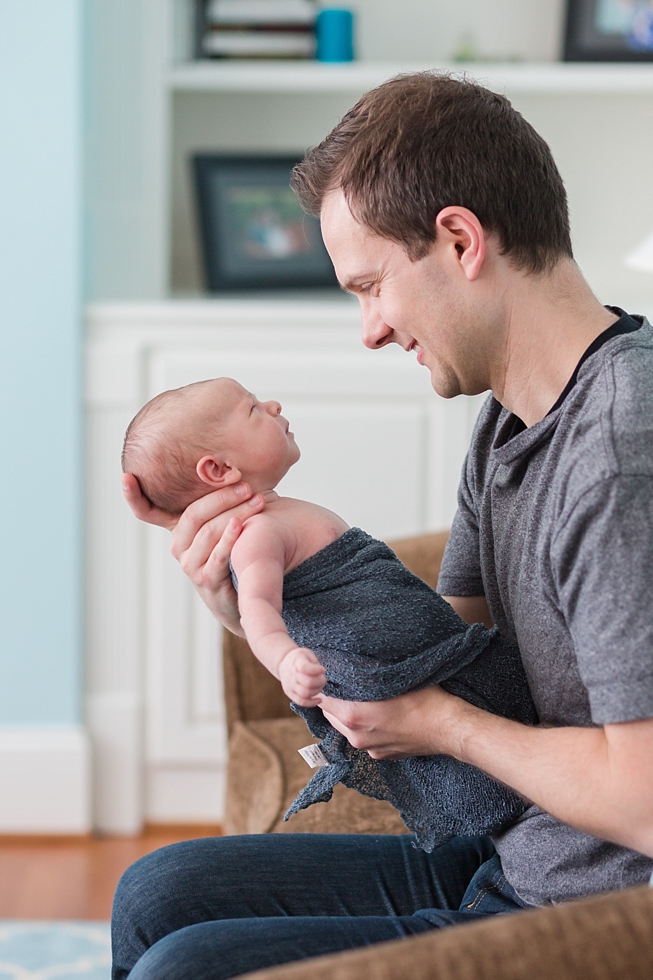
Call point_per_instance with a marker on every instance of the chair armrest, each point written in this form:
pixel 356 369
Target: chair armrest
pixel 606 937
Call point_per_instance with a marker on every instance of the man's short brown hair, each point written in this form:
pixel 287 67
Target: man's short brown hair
pixel 421 142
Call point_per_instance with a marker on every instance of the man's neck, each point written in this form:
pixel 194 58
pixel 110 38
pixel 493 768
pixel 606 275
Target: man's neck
pixel 550 322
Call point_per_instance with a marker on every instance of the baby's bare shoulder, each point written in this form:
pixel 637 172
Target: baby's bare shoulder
pixel 308 526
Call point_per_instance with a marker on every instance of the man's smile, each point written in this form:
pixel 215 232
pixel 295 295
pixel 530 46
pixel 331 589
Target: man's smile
pixel 418 350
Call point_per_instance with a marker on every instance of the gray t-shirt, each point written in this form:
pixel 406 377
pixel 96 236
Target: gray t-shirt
pixel 555 527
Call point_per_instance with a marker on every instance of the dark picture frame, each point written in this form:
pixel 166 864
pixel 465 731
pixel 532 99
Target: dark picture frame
pixel 254 233
pixel 609 30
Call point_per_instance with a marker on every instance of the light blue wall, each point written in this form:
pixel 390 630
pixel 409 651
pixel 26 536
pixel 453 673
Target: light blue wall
pixel 40 328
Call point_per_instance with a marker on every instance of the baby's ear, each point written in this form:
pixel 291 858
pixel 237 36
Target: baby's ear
pixel 216 472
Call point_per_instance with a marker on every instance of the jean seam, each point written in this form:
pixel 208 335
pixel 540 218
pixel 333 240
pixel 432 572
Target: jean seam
pixel 498 887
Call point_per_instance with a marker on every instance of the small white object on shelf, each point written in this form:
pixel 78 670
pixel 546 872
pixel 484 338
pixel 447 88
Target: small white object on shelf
pixel 262 44
pixel 261 11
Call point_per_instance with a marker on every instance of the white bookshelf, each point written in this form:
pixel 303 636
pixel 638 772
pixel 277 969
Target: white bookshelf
pixel 597 118
pixel 358 77
pixel 151 110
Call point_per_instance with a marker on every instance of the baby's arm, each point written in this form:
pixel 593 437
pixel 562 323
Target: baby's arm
pixel 258 558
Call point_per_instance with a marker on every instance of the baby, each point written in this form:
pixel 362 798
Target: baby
pixel 188 442
pixel 327 608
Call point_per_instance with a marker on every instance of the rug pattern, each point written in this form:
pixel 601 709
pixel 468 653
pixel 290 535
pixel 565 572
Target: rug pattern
pixel 54 950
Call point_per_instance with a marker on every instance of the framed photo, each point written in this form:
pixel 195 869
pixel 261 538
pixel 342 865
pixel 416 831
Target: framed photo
pixel 254 233
pixel 609 30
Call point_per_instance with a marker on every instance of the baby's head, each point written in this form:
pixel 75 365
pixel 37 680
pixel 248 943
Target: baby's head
pixel 190 441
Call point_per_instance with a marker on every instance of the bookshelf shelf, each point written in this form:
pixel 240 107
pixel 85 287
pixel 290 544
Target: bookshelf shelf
pixel 312 77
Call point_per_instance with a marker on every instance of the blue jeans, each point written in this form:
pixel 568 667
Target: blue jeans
pixel 216 908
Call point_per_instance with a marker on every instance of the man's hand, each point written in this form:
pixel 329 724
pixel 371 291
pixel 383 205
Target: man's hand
pixel 202 539
pixel 596 779
pixel 142 508
pixel 411 724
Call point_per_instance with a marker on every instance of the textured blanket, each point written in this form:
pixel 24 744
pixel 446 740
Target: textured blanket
pixel 379 631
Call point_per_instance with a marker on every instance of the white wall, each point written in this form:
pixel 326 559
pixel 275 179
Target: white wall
pixel 528 30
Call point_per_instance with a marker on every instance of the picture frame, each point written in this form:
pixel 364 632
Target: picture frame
pixel 254 233
pixel 609 30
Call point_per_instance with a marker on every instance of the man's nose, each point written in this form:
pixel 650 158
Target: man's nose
pixel 375 331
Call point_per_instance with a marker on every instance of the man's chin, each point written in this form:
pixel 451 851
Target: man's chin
pixel 445 386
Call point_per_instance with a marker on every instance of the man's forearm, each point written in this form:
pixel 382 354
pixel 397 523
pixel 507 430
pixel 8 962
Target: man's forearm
pixel 595 779
pixel 599 780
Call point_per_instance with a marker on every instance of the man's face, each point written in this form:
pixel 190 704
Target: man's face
pixel 423 306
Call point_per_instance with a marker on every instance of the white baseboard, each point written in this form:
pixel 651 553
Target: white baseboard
pixel 44 780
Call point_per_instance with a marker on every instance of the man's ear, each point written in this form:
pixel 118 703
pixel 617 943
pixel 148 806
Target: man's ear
pixel 216 472
pixel 460 229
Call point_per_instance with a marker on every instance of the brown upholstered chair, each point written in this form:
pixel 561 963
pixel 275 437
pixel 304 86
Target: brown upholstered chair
pixel 265 771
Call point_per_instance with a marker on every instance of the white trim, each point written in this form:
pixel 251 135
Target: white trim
pixel 359 76
pixel 189 794
pixel 115 722
pixel 44 774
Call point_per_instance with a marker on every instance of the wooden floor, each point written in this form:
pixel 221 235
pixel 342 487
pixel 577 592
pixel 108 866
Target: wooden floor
pixel 74 878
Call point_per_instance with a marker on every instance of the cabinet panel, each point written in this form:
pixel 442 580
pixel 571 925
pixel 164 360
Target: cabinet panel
pixel 365 461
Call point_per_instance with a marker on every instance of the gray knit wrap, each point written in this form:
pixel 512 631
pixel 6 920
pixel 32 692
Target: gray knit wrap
pixel 379 631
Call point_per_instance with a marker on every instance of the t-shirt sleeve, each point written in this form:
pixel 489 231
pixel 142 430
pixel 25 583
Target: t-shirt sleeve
pixel 460 574
pixel 602 558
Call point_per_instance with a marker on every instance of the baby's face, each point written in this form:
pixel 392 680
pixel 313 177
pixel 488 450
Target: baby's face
pixel 255 437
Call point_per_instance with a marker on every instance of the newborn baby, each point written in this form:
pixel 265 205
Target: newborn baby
pixel 326 608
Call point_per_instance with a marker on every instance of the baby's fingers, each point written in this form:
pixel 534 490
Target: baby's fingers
pixel 307 694
pixel 307 661
pixel 303 702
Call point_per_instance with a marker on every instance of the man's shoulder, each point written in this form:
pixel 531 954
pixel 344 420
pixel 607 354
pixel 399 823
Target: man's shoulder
pixel 612 409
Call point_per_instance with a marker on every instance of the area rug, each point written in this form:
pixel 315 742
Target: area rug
pixel 54 950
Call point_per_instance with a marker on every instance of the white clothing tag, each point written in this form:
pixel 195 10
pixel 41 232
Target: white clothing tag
pixel 314 755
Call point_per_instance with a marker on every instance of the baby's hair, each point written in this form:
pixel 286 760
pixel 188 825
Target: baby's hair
pixel 162 446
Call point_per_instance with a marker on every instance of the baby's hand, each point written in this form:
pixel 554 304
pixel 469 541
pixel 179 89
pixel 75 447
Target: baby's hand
pixel 302 676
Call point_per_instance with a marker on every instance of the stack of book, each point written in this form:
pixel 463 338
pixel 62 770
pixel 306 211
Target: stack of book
pixel 256 28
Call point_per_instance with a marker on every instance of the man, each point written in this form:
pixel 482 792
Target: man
pixel 444 213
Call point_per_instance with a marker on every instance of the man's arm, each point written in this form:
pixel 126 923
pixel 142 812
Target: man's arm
pixel 597 779
pixel 202 539
pixel 471 608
